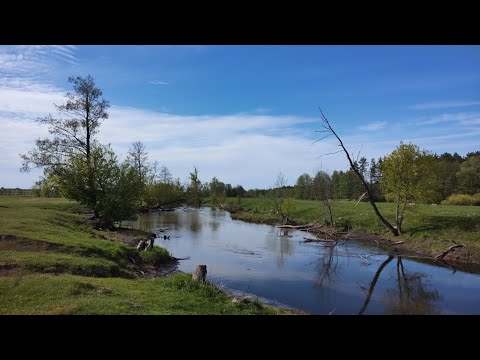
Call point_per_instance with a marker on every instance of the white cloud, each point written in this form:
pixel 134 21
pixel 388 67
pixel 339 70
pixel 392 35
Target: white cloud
pixel 158 82
pixel 444 104
pixel 247 149
pixel 373 126
pixel 29 100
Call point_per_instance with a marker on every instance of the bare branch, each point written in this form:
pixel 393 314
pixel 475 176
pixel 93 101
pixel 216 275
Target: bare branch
pixel 321 138
pixel 355 169
pixel 332 153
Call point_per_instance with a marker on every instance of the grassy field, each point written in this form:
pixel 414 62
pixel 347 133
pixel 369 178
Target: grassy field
pixel 53 262
pixel 427 228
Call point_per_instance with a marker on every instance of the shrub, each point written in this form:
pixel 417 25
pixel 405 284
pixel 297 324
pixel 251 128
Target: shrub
pixel 462 199
pixel 156 256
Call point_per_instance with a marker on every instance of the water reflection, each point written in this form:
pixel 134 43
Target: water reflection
pixel 280 244
pixel 349 278
pixel 327 266
pixel 412 294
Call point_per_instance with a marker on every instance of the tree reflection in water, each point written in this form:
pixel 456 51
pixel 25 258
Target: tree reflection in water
pixel 411 294
pixel 281 246
pixel 327 266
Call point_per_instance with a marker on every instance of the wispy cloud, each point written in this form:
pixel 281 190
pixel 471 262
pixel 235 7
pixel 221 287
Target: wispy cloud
pixel 444 104
pixel 157 82
pixel 462 118
pixel 373 126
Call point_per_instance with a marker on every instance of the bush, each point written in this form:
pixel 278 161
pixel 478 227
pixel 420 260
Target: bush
pixel 156 256
pixel 461 199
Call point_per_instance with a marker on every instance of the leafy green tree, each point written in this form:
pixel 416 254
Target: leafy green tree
pixel 73 134
pixel 116 188
pixel 408 177
pixel 165 194
pixel 469 175
pixel 448 183
pixel 217 191
pixel 194 190
pixel 303 187
pixel 47 186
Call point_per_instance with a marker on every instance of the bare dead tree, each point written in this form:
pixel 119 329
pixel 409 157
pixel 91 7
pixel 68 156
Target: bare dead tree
pixel 138 157
pixel 329 130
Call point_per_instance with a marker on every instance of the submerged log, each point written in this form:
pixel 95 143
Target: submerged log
pixel 307 240
pixel 200 273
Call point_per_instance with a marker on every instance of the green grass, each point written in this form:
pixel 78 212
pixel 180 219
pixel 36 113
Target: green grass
pixel 69 294
pixel 53 262
pixel 428 228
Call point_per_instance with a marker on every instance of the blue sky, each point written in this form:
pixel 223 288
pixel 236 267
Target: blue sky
pixel 245 113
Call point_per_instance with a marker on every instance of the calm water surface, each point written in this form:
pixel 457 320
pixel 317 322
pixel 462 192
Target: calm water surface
pixel 349 278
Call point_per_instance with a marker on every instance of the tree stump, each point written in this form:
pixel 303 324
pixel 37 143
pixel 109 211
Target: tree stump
pixel 141 244
pixel 200 273
pixel 150 243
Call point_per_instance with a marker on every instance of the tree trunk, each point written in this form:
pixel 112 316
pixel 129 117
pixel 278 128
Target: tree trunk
pixel 365 185
pixel 200 273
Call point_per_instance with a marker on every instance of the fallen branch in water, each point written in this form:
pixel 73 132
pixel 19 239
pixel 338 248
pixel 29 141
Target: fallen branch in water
pixel 185 258
pixel 294 226
pixel 307 240
pixel 451 248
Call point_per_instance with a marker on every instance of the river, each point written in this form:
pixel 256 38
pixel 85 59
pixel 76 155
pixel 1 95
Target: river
pixel 350 278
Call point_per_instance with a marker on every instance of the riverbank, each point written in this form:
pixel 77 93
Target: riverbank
pixel 429 230
pixel 52 261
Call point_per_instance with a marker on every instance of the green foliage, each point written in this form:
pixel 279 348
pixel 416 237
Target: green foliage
pixel 446 169
pixel 47 186
pixel 165 195
pixel 194 190
pixel 469 175
pixel 462 199
pixel 112 192
pixel 217 191
pixel 408 177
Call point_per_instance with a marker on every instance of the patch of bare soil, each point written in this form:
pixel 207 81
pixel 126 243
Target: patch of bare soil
pixel 130 237
pixel 150 271
pixel 8 269
pixel 12 242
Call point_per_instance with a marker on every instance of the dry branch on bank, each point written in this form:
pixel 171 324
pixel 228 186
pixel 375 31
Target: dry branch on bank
pixel 307 240
pixel 450 248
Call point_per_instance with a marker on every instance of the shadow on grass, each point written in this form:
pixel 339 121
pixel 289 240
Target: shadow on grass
pixel 436 223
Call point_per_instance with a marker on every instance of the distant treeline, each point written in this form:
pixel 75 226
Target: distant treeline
pixel 16 192
pixel 455 175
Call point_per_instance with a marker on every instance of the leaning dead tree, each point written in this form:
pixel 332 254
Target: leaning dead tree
pixel 329 130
